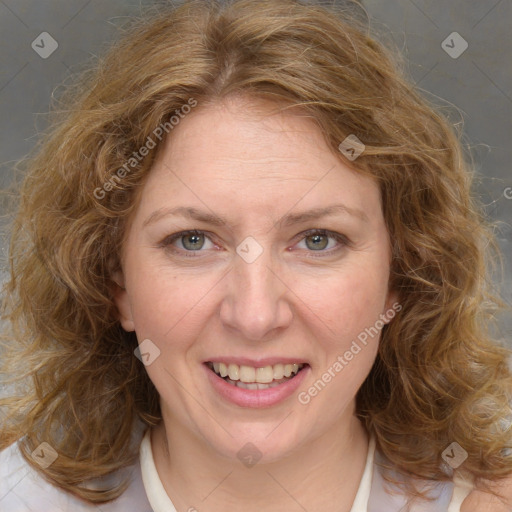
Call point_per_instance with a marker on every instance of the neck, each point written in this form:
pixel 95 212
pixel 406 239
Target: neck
pixel 322 475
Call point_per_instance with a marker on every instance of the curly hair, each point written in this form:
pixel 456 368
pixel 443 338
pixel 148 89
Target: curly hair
pixel 438 377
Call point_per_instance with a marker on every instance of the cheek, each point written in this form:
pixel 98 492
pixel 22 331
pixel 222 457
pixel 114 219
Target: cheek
pixel 165 302
pixel 347 311
pixel 348 301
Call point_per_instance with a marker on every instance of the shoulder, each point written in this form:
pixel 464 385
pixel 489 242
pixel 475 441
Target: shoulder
pixel 23 489
pixel 444 496
pixel 479 501
pixel 385 497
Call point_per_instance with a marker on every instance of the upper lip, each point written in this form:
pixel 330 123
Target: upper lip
pixel 256 363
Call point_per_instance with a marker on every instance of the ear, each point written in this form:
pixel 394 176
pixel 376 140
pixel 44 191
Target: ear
pixel 392 306
pixel 122 302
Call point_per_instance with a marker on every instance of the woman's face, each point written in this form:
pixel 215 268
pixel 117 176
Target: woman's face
pixel 251 288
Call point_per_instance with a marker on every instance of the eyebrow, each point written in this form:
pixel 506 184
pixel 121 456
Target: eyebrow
pixel 289 220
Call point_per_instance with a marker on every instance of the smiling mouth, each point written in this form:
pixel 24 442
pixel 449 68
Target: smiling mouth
pixel 247 377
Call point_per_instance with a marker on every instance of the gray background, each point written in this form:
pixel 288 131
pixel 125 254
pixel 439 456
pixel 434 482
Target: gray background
pixel 478 82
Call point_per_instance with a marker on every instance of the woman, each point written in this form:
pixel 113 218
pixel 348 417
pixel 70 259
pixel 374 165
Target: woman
pixel 247 272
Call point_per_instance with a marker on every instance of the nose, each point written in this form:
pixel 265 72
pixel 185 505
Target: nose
pixel 257 301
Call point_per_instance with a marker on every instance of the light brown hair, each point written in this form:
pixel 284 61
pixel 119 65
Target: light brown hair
pixel 438 376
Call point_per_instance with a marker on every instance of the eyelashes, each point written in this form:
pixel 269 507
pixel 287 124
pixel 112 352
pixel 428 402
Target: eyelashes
pixel 194 234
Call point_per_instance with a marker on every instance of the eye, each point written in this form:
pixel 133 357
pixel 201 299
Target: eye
pixel 316 240
pixel 191 241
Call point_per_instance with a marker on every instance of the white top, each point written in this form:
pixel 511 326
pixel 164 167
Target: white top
pixel 23 489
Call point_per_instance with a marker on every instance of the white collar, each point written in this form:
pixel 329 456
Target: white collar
pixel 160 501
pixel 155 491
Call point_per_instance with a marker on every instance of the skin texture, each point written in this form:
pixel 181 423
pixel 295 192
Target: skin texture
pixel 478 501
pixel 290 302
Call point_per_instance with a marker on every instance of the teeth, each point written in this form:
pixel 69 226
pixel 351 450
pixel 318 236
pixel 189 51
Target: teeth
pixel 233 371
pixel 278 371
pixel 223 370
pixel 265 375
pixel 252 385
pixel 255 376
pixel 247 374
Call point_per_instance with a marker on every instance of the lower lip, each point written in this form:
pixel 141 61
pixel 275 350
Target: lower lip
pixel 255 398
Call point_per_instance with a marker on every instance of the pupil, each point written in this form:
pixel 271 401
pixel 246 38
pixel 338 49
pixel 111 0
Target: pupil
pixel 317 238
pixel 193 239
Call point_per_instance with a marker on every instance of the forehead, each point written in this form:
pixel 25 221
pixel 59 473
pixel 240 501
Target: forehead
pixel 246 137
pixel 237 154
